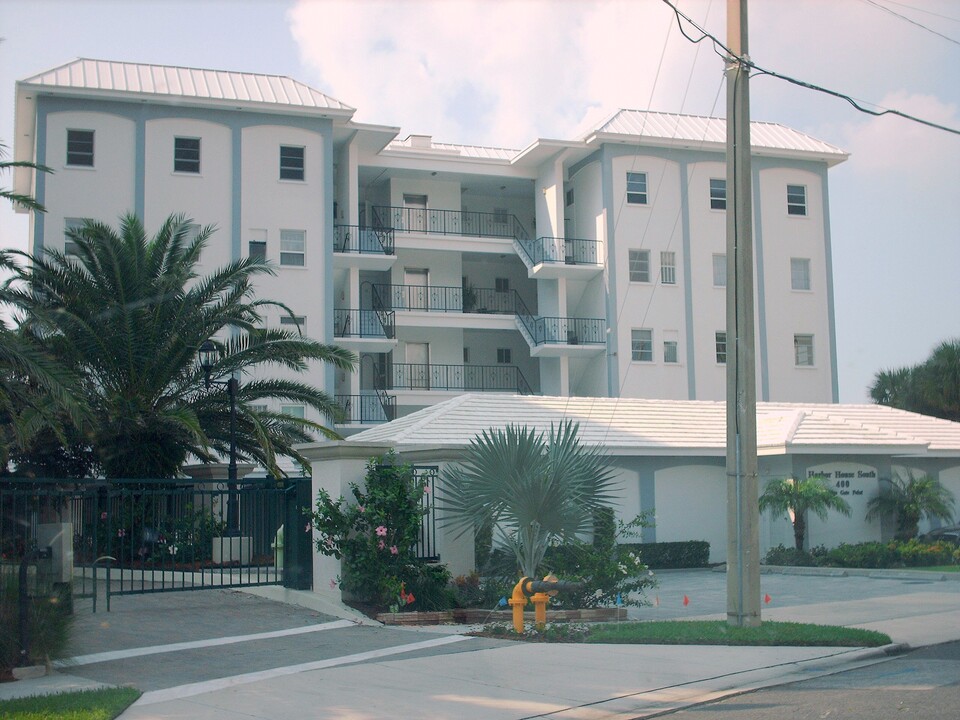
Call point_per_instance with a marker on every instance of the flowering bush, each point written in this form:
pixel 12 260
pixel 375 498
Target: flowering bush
pixel 375 534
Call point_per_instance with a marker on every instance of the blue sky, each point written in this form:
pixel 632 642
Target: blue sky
pixel 506 72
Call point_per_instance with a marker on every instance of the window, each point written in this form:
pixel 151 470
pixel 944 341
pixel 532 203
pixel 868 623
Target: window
pixel 190 232
pixel 296 411
pixel 803 350
pixel 718 194
pixel 297 323
pixel 637 188
pixel 466 355
pixel 639 266
pixel 569 197
pixel 501 216
pixel 70 248
pixel 641 345
pixel 257 407
pixel 186 155
pixel 503 356
pixel 80 148
pixel 292 247
pixel 796 200
pixel 668 268
pixel 257 249
pixel 719 270
pixel 501 285
pixel 800 273
pixel 720 340
pixel 291 162
pixel 670 354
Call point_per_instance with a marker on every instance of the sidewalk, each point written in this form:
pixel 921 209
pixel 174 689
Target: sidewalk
pixel 265 660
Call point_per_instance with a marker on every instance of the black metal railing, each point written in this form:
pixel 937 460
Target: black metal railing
pixel 467 378
pixel 569 251
pixel 449 222
pixel 367 409
pixel 561 330
pixel 363 240
pixel 363 323
pixel 440 298
pixel 427 542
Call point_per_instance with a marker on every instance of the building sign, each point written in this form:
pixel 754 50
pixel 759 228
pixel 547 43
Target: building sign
pixel 847 480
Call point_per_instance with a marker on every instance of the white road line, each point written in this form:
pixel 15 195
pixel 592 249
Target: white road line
pixel 192 645
pixel 182 691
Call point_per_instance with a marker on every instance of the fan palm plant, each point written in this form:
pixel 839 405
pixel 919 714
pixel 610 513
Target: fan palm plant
pixel 796 498
pixel 911 500
pixel 533 490
pixel 127 313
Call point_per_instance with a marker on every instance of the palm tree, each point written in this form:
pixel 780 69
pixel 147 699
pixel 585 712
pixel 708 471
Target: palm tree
pixel 128 314
pixel 24 201
pixel 931 388
pixel 909 501
pixel 532 489
pixel 795 498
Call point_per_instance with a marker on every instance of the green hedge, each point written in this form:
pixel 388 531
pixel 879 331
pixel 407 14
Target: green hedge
pixel 873 555
pixel 673 555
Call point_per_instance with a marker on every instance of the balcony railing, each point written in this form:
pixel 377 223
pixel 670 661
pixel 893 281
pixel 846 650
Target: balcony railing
pixel 363 240
pixel 440 298
pixel 449 222
pixel 363 323
pixel 561 330
pixel 366 409
pixel 569 251
pixel 466 378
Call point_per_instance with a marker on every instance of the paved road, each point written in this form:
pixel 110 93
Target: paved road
pixel 922 684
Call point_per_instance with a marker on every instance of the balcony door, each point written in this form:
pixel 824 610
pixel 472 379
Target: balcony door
pixel 415 282
pixel 415 213
pixel 418 364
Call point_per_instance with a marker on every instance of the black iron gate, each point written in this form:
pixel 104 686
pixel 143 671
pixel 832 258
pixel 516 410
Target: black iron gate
pixel 141 536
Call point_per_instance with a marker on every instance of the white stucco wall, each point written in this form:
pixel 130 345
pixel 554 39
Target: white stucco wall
pixel 679 518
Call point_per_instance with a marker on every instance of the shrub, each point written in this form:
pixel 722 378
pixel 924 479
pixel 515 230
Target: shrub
pixel 862 555
pixel 49 620
pixel 914 553
pixel 376 535
pixel 474 591
pixel 781 555
pixel 673 555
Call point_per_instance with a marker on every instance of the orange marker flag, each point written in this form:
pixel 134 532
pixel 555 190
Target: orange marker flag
pixel 766 598
pixel 686 601
pixel 656 602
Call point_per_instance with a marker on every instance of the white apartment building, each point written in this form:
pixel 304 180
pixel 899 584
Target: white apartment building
pixel 586 267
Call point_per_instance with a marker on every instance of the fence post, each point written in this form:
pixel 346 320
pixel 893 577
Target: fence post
pixel 297 545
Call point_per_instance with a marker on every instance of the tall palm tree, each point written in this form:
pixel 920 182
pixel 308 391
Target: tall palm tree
pixel 796 498
pixel 128 313
pixel 931 387
pixel 532 489
pixel 911 500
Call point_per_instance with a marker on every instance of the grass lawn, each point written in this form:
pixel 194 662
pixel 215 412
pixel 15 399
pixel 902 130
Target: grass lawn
pixel 718 632
pixel 84 705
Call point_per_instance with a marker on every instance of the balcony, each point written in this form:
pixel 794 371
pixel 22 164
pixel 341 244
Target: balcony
pixel 552 257
pixel 460 378
pixel 555 336
pixel 367 409
pixel 445 299
pixel 373 330
pixel 367 248
pixel 449 222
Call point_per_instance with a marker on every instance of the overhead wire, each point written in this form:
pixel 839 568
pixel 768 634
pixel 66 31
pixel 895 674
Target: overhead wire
pixel 879 6
pixel 801 83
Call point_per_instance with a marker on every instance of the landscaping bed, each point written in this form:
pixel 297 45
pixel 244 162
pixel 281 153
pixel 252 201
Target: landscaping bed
pixel 474 616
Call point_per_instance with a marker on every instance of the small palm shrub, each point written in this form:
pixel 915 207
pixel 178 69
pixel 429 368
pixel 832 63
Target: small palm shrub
pixel 49 630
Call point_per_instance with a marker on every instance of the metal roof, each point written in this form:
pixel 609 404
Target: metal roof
pixel 465 151
pixel 674 427
pixel 710 131
pixel 196 83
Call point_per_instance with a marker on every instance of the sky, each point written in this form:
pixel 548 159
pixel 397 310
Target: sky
pixel 506 72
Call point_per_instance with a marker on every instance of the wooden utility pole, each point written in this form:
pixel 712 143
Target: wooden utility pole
pixel 743 544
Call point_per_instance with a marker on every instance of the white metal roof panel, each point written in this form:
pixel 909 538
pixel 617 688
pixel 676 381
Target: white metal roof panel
pixel 700 129
pixel 123 77
pixel 466 151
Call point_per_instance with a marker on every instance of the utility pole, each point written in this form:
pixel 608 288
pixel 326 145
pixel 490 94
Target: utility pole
pixel 743 515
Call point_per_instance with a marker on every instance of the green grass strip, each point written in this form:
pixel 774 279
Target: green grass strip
pixel 103 704
pixel 718 632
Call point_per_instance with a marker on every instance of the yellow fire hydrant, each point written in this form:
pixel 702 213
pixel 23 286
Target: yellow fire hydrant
pixel 534 590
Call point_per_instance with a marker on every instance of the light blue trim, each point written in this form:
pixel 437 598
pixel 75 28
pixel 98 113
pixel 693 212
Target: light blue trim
pixel 236 190
pixel 648 502
pixel 326 248
pixel 140 169
pixel 613 343
pixel 595 156
pixel 831 314
pixel 687 282
pixel 760 281
pixel 40 191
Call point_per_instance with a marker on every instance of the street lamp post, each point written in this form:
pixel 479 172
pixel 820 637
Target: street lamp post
pixel 209 354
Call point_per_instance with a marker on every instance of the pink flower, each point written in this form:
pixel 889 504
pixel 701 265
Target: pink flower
pixel 381 531
pixel 381 544
pixel 333 584
pixel 362 508
pixel 308 528
pixel 103 515
pixel 426 489
pixel 121 533
pixel 393 550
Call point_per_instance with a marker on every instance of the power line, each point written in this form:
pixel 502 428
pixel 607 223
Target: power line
pixel 910 20
pixel 810 86
pixel 923 10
